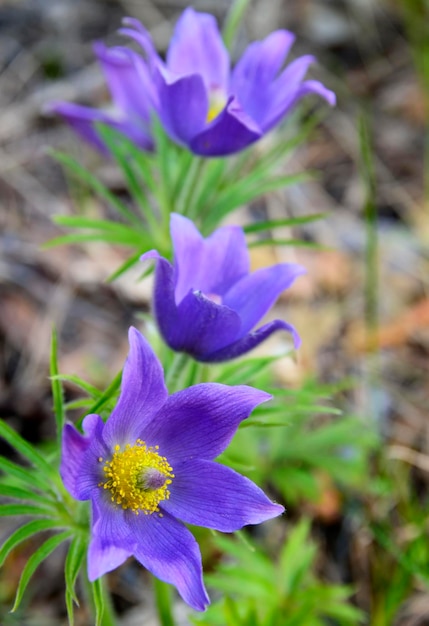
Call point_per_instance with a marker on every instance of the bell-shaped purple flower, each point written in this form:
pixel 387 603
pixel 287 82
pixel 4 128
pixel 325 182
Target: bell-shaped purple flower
pixel 201 102
pixel 207 303
pixel 151 465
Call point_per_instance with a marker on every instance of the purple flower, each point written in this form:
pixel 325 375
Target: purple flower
pixel 151 464
pixel 201 103
pixel 207 302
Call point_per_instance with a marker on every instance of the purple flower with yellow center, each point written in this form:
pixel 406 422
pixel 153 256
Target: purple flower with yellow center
pixel 207 303
pixel 151 465
pixel 201 102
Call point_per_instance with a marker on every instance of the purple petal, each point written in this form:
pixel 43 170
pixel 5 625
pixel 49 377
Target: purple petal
pixel 197 325
pixel 232 130
pixel 314 86
pixel 167 549
pixel 129 81
pixel 281 94
pixel 80 468
pixel 256 69
pixel 210 265
pixel 199 422
pixel 142 395
pixel 135 29
pixel 251 341
pixel 83 120
pixel 256 293
pixel 183 106
pixel 111 539
pixel 203 326
pixel 212 495
pixel 197 48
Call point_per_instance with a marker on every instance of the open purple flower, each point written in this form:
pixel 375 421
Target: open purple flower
pixel 207 302
pixel 151 464
pixel 202 103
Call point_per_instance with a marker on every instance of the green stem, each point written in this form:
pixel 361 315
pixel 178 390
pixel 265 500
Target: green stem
pixel 163 603
pixel 233 20
pixel 109 617
pixel 185 200
pixel 176 371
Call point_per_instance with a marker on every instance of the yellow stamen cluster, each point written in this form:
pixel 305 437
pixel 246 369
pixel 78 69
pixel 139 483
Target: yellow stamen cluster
pixel 128 477
pixel 217 103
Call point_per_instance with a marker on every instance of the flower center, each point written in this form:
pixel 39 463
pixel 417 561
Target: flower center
pixel 217 103
pixel 137 477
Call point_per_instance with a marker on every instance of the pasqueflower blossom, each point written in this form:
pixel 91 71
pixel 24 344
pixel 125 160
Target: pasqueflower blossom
pixel 207 302
pixel 201 102
pixel 151 465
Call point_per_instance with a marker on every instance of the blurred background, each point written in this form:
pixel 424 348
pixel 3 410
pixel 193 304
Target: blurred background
pixel 362 310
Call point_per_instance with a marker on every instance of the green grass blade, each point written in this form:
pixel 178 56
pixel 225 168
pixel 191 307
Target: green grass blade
pixel 25 449
pixel 23 533
pixel 27 476
pixel 10 491
pixel 98 596
pixel 131 238
pixel 132 260
pixel 298 243
pixel 290 221
pixel 106 395
pixel 34 561
pixel 7 510
pixel 84 176
pixel 82 384
pixel 232 22
pixel 74 561
pixel 56 387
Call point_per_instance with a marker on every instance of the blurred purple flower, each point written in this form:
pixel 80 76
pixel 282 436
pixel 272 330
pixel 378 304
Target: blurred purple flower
pixel 202 104
pixel 207 302
pixel 151 464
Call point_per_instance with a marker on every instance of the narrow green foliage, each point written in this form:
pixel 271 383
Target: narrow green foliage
pixel 74 561
pixel 296 243
pixel 92 182
pixel 233 20
pixel 25 509
pixel 23 533
pixel 24 475
pixel 163 602
pixel 35 560
pixel 79 382
pixel 297 435
pixel 10 491
pixel 57 390
pixel 109 395
pixel 25 449
pixel 289 221
pixel 97 595
pixel 263 591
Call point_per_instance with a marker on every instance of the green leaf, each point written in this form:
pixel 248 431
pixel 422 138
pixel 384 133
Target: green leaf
pixel 57 390
pixel 35 560
pixel 27 476
pixel 132 260
pixel 23 533
pixel 233 20
pixel 24 509
pixel 25 449
pixel 290 221
pixel 10 491
pixel 74 560
pixel 97 186
pixel 79 382
pixel 107 395
pixel 297 243
pixel 120 238
pixel 98 596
